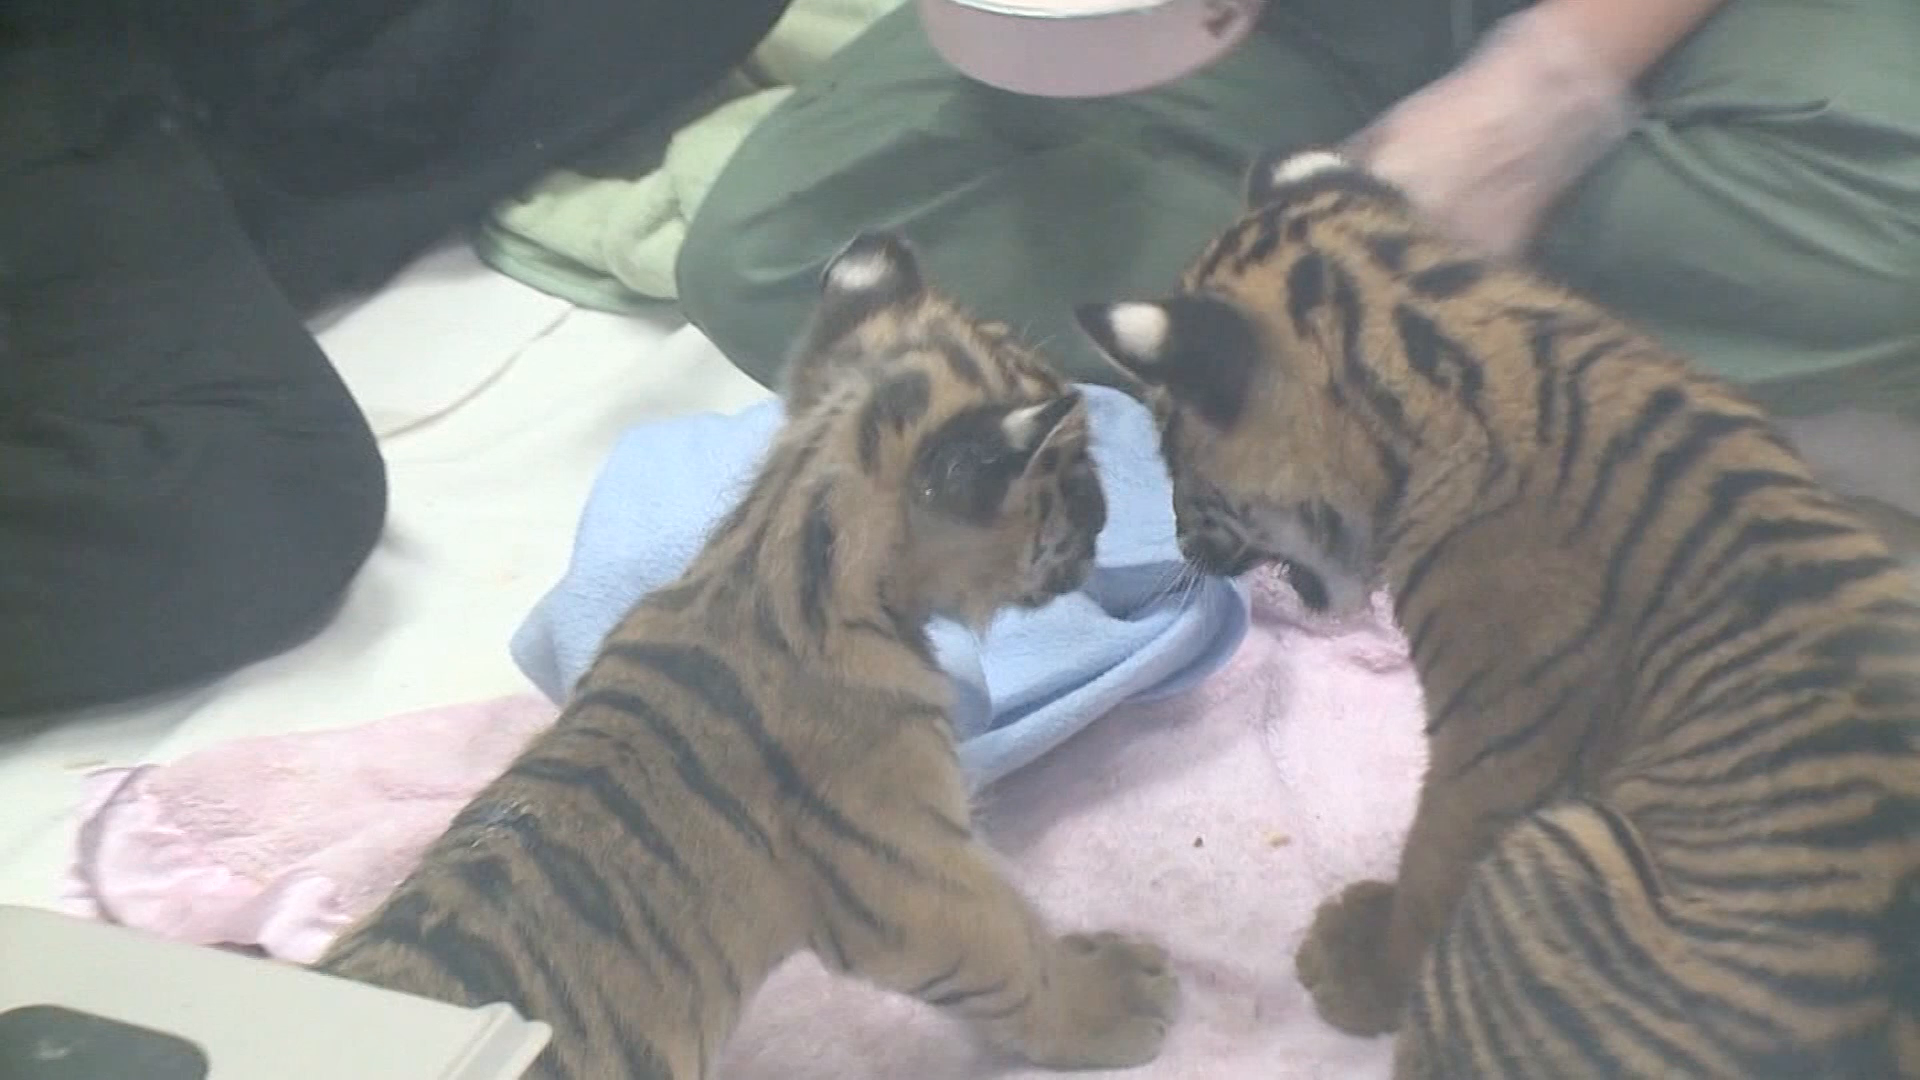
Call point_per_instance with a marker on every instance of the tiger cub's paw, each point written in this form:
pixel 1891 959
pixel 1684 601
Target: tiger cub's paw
pixel 1341 962
pixel 1112 1002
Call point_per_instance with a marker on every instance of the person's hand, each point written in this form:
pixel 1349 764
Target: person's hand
pixel 1488 149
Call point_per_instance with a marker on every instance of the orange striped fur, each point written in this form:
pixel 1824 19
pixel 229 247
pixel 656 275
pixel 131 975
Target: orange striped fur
pixel 760 760
pixel 1671 821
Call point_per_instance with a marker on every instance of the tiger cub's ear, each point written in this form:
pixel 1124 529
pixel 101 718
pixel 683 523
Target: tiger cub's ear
pixel 875 269
pixel 965 468
pixel 1201 349
pixel 1284 174
pixel 876 272
pixel 1031 427
pixel 1278 170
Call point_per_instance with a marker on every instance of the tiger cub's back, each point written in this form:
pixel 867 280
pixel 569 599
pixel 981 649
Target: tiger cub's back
pixel 760 760
pixel 1671 819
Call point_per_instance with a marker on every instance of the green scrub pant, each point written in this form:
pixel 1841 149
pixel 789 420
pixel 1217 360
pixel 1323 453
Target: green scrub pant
pixel 1764 216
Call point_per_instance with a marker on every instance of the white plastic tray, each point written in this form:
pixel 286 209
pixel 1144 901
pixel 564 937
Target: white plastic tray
pixel 71 989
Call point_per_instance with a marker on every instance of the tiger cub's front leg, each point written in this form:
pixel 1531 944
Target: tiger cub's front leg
pixel 970 943
pixel 1366 944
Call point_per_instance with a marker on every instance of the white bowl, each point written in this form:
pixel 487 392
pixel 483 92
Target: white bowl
pixel 1084 48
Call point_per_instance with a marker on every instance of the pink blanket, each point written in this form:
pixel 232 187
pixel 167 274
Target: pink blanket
pixel 1214 822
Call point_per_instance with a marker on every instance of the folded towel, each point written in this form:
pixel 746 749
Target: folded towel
pixel 279 841
pixel 1039 677
pixel 1215 821
pixel 606 236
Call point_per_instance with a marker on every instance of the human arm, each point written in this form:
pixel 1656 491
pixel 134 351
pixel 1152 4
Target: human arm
pixel 1629 36
pixel 1489 148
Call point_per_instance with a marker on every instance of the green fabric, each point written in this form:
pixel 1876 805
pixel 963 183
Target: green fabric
pixel 606 233
pixel 808 34
pixel 1765 216
pixel 1765 219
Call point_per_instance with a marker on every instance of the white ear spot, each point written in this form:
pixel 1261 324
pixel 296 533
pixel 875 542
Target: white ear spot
pixel 1022 426
pixel 860 271
pixel 1139 329
pixel 1307 165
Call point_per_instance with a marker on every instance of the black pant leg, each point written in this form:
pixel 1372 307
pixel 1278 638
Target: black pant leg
pixel 185 485
pixel 355 133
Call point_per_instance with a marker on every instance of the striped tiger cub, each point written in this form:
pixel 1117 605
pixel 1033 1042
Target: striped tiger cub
pixel 759 760
pixel 1670 825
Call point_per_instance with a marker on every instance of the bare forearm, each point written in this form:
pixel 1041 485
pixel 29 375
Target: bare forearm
pixel 1630 36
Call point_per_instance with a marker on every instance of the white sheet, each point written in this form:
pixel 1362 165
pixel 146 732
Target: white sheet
pixel 495 405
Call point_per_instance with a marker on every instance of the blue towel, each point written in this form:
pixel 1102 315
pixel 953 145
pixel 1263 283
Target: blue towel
pixel 1039 676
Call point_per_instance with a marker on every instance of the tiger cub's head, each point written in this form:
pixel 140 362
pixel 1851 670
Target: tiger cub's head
pixel 1251 368
pixel 964 448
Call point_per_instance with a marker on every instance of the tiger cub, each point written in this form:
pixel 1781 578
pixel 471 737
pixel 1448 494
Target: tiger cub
pixel 1670 825
pixel 760 761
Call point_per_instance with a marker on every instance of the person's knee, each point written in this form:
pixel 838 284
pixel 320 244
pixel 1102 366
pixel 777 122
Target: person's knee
pixel 824 164
pixel 745 276
pixel 717 295
pixel 347 506
pixel 286 518
pixel 156 550
pixel 299 519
